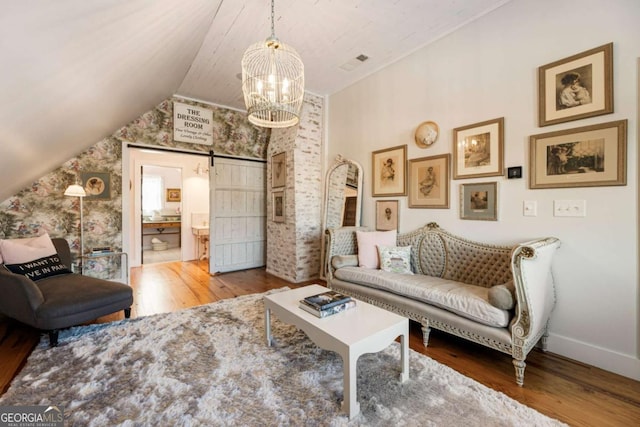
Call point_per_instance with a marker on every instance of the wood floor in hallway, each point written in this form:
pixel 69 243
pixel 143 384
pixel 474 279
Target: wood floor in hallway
pixel 575 393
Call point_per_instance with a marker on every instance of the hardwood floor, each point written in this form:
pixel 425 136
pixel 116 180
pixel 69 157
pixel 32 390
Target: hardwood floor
pixel 575 393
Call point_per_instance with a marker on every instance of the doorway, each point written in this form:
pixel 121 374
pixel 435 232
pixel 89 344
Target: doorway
pixel 176 201
pixel 161 200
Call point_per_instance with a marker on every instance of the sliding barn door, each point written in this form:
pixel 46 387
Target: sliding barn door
pixel 238 215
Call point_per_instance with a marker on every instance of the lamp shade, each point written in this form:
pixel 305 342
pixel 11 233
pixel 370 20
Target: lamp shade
pixel 272 84
pixel 75 190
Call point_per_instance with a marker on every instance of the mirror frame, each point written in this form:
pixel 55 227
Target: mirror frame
pixel 339 161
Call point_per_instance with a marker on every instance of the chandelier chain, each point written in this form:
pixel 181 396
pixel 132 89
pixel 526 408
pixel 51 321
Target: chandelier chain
pixel 273 27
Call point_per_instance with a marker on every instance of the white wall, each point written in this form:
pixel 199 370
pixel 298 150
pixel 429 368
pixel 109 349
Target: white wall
pixel 486 70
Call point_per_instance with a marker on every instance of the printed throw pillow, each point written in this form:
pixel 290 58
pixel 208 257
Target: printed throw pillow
pixel 368 241
pixel 40 268
pixel 395 259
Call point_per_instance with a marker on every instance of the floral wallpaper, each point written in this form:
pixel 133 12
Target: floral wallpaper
pixel 42 207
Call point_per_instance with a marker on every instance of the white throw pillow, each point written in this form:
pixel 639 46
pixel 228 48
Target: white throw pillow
pixel 18 251
pixel 395 259
pixel 368 242
pixel 35 258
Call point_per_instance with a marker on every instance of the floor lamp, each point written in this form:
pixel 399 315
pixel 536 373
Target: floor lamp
pixel 76 190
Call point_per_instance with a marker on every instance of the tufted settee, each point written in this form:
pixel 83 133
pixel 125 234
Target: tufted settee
pixel 498 296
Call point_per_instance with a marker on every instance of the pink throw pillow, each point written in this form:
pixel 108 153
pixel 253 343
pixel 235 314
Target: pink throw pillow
pixel 368 242
pixel 18 251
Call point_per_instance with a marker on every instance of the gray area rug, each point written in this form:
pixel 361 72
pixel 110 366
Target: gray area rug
pixel 209 366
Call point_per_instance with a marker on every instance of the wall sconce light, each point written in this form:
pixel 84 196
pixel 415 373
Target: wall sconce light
pixel 199 170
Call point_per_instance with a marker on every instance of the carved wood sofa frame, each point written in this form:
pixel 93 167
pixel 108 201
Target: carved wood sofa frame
pixel 436 252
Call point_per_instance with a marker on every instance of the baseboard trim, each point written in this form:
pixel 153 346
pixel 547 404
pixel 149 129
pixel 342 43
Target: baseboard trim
pixel 618 363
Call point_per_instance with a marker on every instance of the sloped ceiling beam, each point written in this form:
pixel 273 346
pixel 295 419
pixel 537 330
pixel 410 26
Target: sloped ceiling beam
pixel 74 71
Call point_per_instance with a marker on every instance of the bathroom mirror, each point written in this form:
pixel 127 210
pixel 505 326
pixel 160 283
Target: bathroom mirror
pixel 342 197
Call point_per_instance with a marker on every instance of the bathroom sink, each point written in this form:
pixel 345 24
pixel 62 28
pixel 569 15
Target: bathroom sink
pixel 200 230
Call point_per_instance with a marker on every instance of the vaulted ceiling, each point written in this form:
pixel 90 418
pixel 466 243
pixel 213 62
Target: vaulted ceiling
pixel 74 71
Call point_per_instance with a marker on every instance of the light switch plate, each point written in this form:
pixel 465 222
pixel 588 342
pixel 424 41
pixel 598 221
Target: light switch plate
pixel 530 208
pixel 569 208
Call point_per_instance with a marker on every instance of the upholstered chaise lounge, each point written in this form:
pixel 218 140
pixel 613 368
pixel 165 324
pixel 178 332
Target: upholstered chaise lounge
pixel 61 300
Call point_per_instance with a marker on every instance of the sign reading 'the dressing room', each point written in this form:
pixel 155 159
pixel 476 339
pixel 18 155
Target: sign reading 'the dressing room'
pixel 192 124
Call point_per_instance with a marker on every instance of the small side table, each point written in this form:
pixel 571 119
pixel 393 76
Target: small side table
pixel 89 259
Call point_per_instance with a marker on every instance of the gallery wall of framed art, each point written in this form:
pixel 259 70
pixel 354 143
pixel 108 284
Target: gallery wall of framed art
pixel 569 89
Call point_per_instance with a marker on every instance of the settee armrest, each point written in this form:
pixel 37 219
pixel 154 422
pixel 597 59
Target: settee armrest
pixel 20 296
pixel 340 241
pixel 535 291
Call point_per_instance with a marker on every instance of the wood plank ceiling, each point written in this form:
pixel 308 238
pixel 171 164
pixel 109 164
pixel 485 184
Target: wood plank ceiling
pixel 74 71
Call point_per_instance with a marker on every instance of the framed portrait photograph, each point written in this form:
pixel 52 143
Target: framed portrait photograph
pixel 479 201
pixel 478 149
pixel 387 215
pixel 587 156
pixel 429 182
pixel 576 87
pixel 278 170
pixel 278 206
pixel 174 195
pixel 388 169
pixel 97 185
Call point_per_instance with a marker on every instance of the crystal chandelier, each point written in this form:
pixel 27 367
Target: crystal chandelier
pixel 272 82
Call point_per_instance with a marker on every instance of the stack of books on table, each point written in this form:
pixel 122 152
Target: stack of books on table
pixel 327 303
pixel 101 250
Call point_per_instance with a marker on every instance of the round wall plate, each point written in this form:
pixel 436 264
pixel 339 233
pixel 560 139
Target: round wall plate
pixel 426 134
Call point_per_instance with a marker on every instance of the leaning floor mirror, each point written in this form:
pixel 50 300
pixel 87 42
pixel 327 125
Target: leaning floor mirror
pixel 342 199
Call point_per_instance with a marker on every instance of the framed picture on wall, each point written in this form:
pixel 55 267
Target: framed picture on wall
pixel 97 185
pixel 278 206
pixel 587 156
pixel 576 87
pixel 389 175
pixel 387 215
pixel 479 201
pixel 478 149
pixel 174 195
pixel 429 182
pixel 278 170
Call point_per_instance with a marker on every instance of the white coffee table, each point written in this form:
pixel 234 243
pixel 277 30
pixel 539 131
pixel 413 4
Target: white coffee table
pixel 351 333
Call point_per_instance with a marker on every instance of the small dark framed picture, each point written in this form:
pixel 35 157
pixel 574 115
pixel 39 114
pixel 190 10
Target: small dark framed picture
pixel 278 206
pixel 514 172
pixel 479 201
pixel 386 215
pixel 174 195
pixel 97 185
